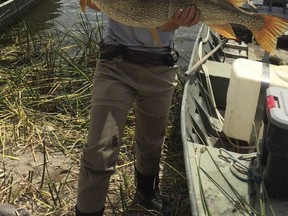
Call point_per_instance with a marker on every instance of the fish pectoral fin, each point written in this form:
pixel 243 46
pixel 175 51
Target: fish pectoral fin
pixel 83 4
pixel 224 30
pixel 155 36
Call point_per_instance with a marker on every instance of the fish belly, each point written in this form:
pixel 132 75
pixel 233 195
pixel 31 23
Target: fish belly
pixel 153 13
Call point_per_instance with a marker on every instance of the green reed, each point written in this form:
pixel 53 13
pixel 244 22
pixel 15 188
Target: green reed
pixel 45 89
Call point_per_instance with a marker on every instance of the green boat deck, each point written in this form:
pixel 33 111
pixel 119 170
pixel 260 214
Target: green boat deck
pixel 221 192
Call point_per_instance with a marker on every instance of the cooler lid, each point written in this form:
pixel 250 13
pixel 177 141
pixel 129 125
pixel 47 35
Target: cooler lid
pixel 277 106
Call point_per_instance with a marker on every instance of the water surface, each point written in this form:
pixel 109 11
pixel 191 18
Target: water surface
pixel 67 14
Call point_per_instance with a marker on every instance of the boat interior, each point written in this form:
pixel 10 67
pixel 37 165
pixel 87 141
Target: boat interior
pixel 226 126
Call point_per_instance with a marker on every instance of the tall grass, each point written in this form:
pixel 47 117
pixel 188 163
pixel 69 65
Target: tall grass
pixel 45 90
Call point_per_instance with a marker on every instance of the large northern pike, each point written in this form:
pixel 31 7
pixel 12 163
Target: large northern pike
pixel 217 14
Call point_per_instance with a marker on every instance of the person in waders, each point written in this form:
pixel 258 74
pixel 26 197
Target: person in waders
pixel 132 69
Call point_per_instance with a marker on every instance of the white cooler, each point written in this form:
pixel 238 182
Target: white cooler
pixel 243 95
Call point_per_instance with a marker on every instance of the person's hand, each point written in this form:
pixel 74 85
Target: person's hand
pixel 188 17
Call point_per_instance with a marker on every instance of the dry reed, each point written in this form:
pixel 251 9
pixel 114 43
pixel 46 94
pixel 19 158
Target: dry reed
pixel 45 90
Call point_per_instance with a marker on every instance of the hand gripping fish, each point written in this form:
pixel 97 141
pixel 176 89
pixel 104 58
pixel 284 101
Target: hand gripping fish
pixel 217 14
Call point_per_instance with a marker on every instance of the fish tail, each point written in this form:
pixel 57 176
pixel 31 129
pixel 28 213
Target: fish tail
pixel 273 28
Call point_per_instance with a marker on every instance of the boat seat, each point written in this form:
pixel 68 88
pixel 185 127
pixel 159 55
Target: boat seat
pixel 219 69
pixel 284 5
pixel 219 76
pixel 277 3
pixel 278 58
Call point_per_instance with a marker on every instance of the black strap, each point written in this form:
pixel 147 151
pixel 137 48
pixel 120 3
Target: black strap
pixel 109 51
pixel 260 110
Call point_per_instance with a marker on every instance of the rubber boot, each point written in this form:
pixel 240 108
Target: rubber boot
pixel 99 213
pixel 147 194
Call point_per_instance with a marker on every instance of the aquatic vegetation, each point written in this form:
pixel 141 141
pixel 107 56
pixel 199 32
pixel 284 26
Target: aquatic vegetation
pixel 45 84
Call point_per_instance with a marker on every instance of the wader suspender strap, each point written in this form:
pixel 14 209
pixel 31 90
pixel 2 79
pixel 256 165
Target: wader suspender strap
pixel 260 109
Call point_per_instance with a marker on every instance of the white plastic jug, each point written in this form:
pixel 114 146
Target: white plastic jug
pixel 243 94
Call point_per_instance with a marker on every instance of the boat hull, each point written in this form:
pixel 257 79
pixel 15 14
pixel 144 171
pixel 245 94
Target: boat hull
pixel 12 11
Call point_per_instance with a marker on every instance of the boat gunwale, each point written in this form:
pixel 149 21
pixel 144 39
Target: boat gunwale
pixel 192 194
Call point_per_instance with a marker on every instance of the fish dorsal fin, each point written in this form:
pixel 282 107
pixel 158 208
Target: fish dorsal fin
pixel 224 30
pixel 236 3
